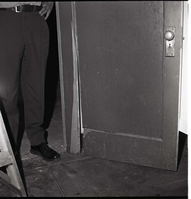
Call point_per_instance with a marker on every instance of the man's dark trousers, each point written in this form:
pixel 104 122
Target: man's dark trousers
pixel 24 44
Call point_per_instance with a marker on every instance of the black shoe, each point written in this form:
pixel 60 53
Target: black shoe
pixel 45 152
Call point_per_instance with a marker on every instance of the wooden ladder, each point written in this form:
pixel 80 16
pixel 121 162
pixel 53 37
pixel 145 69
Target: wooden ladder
pixel 11 176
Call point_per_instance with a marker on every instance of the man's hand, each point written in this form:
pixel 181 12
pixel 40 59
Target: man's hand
pixel 46 8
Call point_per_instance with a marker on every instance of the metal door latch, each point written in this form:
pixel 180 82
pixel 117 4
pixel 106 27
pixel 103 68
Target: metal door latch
pixel 169 36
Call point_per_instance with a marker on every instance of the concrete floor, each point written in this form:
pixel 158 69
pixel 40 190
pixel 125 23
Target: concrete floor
pixel 82 176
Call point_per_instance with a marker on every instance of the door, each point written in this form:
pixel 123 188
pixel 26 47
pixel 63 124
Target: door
pixel 128 82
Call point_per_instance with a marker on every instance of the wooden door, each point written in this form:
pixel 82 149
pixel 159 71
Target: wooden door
pixel 128 87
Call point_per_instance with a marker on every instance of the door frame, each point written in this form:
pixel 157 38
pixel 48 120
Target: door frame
pixel 73 143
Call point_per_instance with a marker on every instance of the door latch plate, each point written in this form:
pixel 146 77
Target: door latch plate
pixel 170 44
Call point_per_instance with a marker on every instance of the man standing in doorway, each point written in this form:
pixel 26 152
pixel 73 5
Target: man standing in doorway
pixel 24 46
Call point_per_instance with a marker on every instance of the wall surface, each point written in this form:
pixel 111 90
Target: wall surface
pixel 183 120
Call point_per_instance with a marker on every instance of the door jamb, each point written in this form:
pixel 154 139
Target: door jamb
pixel 75 145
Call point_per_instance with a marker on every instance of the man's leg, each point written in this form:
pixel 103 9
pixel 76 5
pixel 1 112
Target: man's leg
pixel 33 74
pixel 33 79
pixel 11 51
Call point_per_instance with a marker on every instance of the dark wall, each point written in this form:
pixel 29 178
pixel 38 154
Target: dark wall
pixel 52 84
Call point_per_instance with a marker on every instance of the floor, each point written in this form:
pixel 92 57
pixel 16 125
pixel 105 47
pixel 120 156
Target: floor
pixel 83 176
